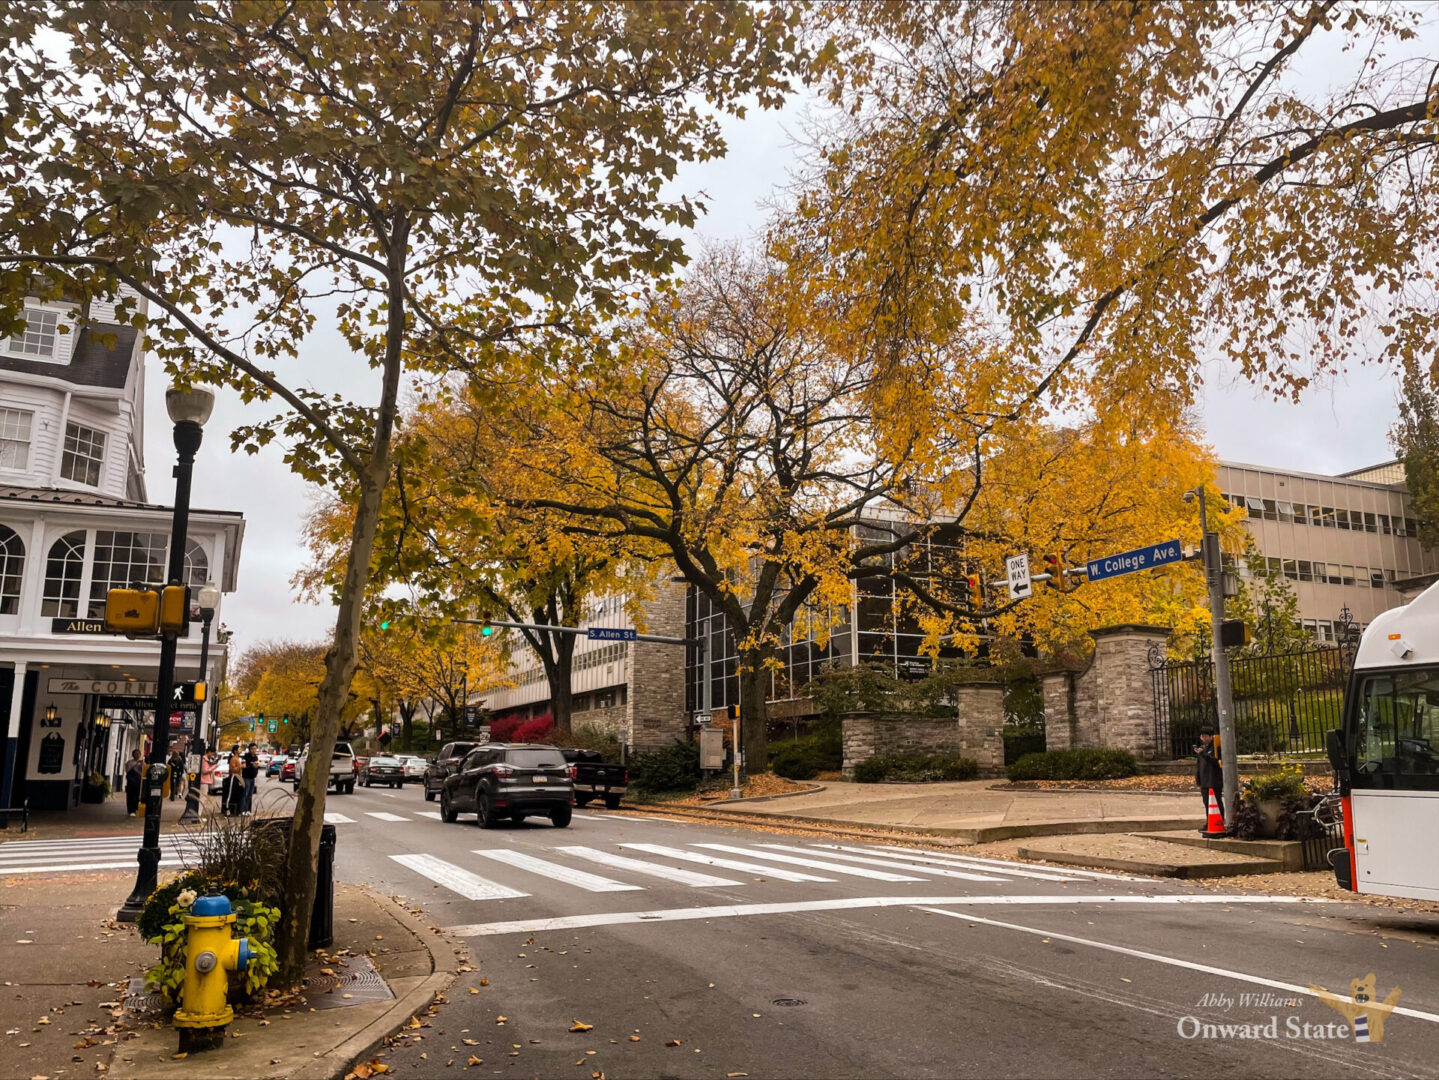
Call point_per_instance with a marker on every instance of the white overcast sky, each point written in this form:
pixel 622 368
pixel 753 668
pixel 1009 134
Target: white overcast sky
pixel 1336 427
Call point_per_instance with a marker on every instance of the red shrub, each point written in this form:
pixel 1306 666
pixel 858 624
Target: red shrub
pixel 536 730
pixel 502 729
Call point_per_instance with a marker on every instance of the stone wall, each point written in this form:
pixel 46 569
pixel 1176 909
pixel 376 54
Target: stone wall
pixel 976 732
pixel 1110 703
pixel 655 712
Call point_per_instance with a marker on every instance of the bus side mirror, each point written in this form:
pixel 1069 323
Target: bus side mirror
pixel 1334 746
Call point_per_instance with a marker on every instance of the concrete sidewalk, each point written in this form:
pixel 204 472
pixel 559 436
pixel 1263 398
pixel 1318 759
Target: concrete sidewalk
pixel 67 969
pixel 975 812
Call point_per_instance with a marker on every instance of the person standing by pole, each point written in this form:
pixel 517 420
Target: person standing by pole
pixel 251 771
pixel 1208 772
pixel 134 773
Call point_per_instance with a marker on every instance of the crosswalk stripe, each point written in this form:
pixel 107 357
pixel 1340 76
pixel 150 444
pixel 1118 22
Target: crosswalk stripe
pixel 998 865
pixel 384 816
pixel 456 878
pixel 726 864
pixel 429 814
pixel 639 866
pixel 333 817
pixel 578 878
pixel 37 868
pixel 813 864
pixel 966 875
pixel 89 852
pixel 81 843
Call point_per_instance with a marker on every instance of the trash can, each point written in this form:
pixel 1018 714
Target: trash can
pixel 322 916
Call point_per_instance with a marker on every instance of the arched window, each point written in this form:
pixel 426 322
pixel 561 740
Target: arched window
pixel 12 565
pixel 197 564
pixel 64 567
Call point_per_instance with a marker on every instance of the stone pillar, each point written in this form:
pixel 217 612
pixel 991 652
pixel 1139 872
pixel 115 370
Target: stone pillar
pixel 981 726
pixel 654 714
pixel 1059 720
pixel 858 738
pixel 1114 699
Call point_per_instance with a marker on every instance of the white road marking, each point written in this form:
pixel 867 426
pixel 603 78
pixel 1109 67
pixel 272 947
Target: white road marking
pixel 556 872
pixel 7 856
pixel 998 864
pixel 335 818
pixel 941 871
pixel 51 868
pixel 775 872
pixel 457 879
pixel 730 911
pixel 384 816
pixel 428 813
pixel 910 855
pixel 639 866
pixel 813 864
pixel 1173 961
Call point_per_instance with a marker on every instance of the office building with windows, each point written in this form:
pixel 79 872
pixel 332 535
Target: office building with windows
pixel 75 522
pixel 1344 542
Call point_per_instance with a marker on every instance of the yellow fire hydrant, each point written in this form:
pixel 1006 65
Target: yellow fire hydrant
pixel 211 953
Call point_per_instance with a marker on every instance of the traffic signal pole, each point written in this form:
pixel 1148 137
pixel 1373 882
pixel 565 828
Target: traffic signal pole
pixel 1223 688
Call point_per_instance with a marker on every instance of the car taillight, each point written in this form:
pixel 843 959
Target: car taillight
pixel 504 770
pixel 573 772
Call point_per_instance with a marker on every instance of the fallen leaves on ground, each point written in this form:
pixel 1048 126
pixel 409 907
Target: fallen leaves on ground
pixel 580 1026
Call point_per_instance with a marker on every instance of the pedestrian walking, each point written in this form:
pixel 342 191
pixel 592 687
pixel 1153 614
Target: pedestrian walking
pixel 209 765
pixel 234 785
pixel 177 772
pixel 134 777
pixel 252 770
pixel 1209 770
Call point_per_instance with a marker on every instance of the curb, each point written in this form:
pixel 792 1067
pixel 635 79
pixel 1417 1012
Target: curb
pixel 335 1063
pixel 1180 871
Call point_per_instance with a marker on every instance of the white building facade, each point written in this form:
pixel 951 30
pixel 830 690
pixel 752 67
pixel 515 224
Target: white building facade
pixel 74 523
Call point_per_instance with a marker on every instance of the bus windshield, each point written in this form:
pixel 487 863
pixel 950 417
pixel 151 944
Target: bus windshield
pixel 1395 738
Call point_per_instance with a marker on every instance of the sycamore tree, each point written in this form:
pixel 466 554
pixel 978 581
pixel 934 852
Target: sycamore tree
pixel 418 179
pixel 736 437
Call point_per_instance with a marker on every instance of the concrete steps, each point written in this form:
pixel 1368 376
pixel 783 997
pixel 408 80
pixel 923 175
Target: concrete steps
pixel 1148 856
pixel 1289 853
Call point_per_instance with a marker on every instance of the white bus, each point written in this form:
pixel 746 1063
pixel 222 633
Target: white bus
pixel 1386 757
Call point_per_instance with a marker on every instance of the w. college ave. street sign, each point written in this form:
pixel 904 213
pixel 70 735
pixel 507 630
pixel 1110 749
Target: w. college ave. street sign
pixel 1130 562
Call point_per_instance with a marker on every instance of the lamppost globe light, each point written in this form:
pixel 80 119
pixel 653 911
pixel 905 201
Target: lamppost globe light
pixel 209 597
pixel 191 405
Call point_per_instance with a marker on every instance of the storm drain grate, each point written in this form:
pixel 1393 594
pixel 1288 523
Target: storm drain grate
pixel 786 1003
pixel 357 984
pixel 139 1001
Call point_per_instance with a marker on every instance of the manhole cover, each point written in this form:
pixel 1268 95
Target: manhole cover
pixel 357 984
pixel 787 1002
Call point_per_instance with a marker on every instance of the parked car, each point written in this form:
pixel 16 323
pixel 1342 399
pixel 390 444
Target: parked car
pixel 596 779
pixel 444 764
pixel 342 768
pixel 222 770
pixel 277 765
pixel 287 770
pixel 414 766
pixel 510 780
pixel 384 769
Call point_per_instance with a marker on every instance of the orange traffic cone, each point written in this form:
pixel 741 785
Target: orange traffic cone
pixel 1214 827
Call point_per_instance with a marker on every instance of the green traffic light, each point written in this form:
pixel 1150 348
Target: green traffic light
pixel 385 625
pixel 486 630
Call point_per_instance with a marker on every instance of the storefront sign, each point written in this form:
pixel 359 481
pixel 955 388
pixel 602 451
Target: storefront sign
pixel 117 687
pixel 77 626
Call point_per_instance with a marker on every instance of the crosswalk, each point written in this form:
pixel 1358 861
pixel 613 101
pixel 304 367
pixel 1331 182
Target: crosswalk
pixel 90 853
pixel 522 873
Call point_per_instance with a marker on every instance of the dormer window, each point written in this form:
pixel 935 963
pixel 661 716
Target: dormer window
pixel 40 340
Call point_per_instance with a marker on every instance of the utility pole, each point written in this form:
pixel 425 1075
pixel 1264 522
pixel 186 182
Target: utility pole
pixel 1223 690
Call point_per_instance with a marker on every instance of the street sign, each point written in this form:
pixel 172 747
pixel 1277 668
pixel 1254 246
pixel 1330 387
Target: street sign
pixel 1017 567
pixel 1131 562
pixel 472 715
pixel 272 725
pixel 610 633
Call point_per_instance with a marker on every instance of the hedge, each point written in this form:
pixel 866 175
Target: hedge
pixel 675 768
pixel 916 768
pixel 806 758
pixel 1083 764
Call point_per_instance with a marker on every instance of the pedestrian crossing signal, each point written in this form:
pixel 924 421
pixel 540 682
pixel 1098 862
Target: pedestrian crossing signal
pixel 132 611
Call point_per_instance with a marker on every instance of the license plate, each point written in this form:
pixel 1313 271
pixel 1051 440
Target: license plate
pixel 542 779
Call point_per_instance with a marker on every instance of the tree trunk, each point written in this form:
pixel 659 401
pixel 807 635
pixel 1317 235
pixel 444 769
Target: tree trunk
pixel 560 698
pixel 340 662
pixel 754 679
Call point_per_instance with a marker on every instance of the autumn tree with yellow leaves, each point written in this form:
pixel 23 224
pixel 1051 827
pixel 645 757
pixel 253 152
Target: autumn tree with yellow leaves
pixel 420 178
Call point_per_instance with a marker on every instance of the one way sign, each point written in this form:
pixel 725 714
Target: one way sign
pixel 1017 569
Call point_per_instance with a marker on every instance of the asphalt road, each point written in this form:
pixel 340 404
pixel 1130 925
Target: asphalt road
pixel 969 968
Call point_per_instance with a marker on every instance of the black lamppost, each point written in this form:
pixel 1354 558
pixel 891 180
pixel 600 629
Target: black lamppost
pixel 209 600
pixel 188 409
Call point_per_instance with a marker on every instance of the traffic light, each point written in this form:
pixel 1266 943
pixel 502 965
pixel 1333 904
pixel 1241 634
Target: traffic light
pixel 486 629
pixel 1054 567
pixel 974 588
pixel 174 608
pixel 385 625
pixel 132 611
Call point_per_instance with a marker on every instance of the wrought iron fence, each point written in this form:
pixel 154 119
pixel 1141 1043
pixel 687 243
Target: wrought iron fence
pixel 1321 830
pixel 1283 702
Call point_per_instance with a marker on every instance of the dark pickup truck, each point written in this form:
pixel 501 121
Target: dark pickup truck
pixel 596 779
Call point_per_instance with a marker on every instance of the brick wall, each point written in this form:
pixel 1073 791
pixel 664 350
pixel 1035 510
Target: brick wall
pixel 977 732
pixel 981 726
